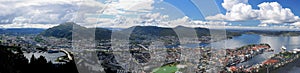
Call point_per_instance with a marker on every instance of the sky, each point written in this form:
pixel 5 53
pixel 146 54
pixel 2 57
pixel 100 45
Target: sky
pixel 164 13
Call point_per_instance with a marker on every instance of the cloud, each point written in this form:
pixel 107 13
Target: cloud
pixel 90 13
pixel 45 12
pixel 296 24
pixel 85 12
pixel 128 13
pixel 122 6
pixel 210 23
pixel 25 25
pixel 238 12
pixel 228 4
pixel 268 12
pixel 274 13
pixel 149 19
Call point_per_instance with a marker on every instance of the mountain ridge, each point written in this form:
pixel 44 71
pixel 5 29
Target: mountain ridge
pixel 65 30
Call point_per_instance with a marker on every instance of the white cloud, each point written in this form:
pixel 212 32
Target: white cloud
pixel 228 4
pixel 209 23
pixel 180 21
pixel 59 11
pixel 263 25
pixel 238 12
pixel 268 12
pixel 45 12
pixel 89 13
pixel 296 24
pixel 27 25
pixel 153 19
pixel 274 13
pixel 123 6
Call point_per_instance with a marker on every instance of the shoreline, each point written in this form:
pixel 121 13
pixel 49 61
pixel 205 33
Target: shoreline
pixel 288 68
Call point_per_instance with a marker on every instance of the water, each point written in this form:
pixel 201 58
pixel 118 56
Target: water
pixel 276 42
pixel 49 56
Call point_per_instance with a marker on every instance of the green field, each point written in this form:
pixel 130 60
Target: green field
pixel 166 69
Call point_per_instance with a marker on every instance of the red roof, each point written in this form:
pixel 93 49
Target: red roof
pixel 270 61
pixel 233 68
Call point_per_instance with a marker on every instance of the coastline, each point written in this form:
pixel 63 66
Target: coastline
pixel 292 67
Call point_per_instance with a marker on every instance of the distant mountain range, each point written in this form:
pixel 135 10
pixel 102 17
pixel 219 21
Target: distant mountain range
pixel 21 31
pixel 137 32
pixel 65 30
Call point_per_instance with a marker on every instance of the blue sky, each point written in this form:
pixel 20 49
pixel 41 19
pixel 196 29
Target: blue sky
pixel 191 10
pixel 188 7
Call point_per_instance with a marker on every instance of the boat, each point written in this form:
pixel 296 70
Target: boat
pixel 270 50
pixel 53 51
pixel 296 50
pixel 283 48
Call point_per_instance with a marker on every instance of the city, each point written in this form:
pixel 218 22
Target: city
pixel 149 36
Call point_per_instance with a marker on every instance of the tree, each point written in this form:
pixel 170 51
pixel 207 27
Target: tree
pixel 32 59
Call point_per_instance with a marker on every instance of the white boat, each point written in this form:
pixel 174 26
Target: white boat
pixel 296 50
pixel 283 48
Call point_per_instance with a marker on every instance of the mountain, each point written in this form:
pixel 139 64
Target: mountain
pixel 188 31
pixel 61 31
pixel 21 31
pixel 274 33
pixel 67 29
pixel 153 31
